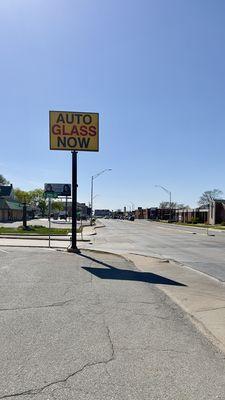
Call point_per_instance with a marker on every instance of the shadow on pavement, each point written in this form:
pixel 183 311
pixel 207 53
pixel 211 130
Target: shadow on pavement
pixel 127 275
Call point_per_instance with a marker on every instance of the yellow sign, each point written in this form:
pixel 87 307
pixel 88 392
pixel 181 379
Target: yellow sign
pixel 77 131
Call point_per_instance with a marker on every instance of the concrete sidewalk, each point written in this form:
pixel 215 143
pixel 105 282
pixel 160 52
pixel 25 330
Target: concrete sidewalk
pixel 202 296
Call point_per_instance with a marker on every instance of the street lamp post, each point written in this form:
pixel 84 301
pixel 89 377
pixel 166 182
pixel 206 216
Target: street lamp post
pixel 133 206
pixel 168 192
pixel 92 188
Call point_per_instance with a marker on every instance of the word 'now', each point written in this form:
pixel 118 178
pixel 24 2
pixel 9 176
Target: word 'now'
pixel 73 142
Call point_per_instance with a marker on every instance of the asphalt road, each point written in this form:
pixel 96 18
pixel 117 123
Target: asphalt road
pixel 92 327
pixel 190 246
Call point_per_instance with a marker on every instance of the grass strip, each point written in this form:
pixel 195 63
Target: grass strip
pixel 222 227
pixel 36 230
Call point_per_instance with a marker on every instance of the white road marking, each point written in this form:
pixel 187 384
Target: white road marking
pixel 4 251
pixel 176 229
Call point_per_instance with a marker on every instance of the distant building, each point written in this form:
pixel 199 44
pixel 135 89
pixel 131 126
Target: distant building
pixel 102 213
pixel 142 213
pixel 188 215
pixel 216 211
pixel 84 210
pixel 139 213
pixel 6 192
pixel 10 209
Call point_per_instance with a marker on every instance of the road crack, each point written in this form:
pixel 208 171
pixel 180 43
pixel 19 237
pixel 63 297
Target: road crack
pixel 33 392
pixel 57 304
pixel 111 357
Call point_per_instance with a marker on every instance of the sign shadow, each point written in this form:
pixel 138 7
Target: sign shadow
pixel 114 273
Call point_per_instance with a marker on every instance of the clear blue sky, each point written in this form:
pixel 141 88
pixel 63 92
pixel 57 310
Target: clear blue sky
pixel 153 69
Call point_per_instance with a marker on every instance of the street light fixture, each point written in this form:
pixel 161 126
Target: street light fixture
pixel 92 188
pixel 168 192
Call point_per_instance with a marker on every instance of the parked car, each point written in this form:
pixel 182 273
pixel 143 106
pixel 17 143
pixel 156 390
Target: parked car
pixel 37 216
pixel 62 215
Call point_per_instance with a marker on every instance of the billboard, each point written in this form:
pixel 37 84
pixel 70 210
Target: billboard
pixel 72 130
pixel 60 189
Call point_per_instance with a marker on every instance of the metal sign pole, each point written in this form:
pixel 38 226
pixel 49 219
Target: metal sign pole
pixel 81 226
pixel 92 182
pixel 73 247
pixel 49 221
pixel 66 207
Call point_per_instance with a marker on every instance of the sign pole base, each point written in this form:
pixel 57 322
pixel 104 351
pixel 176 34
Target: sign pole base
pixel 71 250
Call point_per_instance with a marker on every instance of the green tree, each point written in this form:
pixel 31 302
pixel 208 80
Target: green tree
pixel 22 196
pixel 34 198
pixel 3 181
pixel 36 195
pixel 42 205
pixel 209 195
pixel 57 206
pixel 38 199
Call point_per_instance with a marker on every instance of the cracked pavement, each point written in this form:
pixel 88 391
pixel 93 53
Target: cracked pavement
pixel 71 330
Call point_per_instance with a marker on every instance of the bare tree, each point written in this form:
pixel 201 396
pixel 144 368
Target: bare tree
pixel 209 195
pixel 166 204
pixel 183 206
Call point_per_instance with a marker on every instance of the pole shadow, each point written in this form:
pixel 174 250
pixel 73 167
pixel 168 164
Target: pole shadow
pixel 114 273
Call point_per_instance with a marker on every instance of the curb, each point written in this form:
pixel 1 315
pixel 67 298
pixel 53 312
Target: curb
pixel 202 327
pixel 179 263
pixel 33 238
